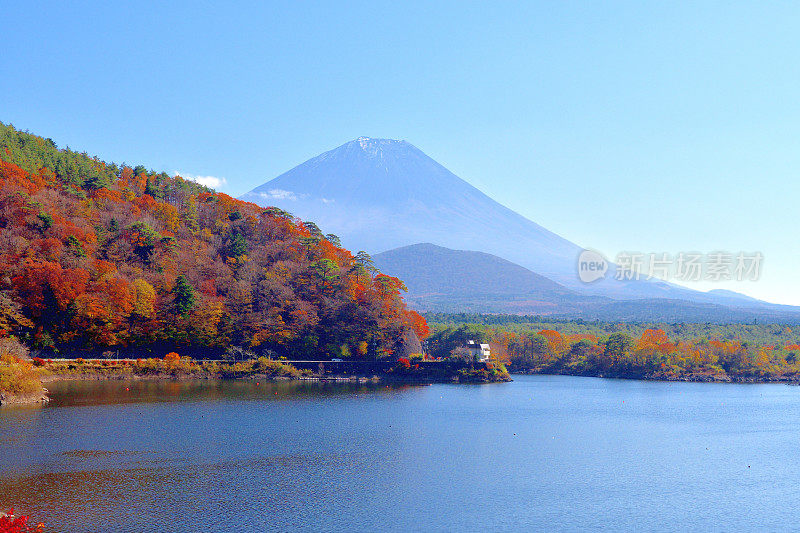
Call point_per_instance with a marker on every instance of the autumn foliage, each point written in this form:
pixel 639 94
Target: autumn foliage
pixel 97 256
pixel 17 524
pixel 650 355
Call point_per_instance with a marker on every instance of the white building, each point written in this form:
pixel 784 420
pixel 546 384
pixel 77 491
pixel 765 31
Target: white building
pixel 479 352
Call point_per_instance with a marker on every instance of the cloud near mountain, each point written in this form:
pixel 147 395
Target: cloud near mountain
pixel 209 181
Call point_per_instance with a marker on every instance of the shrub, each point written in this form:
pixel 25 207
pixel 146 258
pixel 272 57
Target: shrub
pixel 18 377
pixel 17 524
pixel 263 365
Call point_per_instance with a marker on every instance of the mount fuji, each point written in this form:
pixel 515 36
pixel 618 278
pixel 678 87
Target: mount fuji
pixel 379 194
pixel 382 194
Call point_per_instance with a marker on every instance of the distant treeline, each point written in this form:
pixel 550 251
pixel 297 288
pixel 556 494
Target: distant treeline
pixel 762 334
pixel 650 351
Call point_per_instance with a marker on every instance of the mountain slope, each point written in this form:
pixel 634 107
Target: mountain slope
pixel 434 269
pixel 379 194
pixel 442 279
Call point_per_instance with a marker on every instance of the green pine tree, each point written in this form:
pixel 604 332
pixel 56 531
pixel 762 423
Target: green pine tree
pixel 184 296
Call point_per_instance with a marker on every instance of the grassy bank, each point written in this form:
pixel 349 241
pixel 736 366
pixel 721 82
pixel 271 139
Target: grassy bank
pixel 19 379
pixel 173 366
pixel 19 382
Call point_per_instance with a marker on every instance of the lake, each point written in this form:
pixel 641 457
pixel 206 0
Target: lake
pixel 542 452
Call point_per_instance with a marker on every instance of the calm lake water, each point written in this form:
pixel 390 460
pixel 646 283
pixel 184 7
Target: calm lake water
pixel 543 452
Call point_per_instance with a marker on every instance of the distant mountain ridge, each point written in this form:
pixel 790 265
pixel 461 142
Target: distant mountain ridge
pixel 443 279
pixel 467 271
pixel 461 281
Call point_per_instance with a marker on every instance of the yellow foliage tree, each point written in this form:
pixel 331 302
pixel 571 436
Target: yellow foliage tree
pixel 167 214
pixel 145 298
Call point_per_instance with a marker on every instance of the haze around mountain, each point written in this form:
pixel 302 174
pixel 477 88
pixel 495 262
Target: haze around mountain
pixel 381 194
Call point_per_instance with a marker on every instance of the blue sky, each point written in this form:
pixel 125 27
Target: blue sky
pixel 645 126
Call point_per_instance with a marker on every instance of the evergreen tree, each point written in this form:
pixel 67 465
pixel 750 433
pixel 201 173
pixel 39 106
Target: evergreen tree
pixel 189 215
pixel 184 296
pixel 237 247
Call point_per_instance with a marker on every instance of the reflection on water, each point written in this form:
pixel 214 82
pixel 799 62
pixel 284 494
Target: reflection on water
pixel 87 454
pixel 155 455
pixel 90 392
pixel 158 496
pixel 538 453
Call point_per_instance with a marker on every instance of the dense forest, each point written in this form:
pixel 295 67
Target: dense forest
pixel 656 351
pixel 685 331
pixel 98 256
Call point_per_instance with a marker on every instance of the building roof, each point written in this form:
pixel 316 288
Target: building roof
pixel 474 345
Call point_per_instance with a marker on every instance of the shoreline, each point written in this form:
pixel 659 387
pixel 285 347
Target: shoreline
pixel 178 369
pixel 252 377
pixel 42 398
pixel 689 378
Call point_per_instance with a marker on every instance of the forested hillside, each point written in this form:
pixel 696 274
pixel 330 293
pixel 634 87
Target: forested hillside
pixel 99 256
